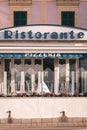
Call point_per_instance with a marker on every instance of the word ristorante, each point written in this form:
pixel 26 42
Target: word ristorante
pixel 30 35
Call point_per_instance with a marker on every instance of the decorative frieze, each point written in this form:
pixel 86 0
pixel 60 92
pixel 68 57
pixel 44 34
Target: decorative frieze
pixel 67 2
pixel 19 2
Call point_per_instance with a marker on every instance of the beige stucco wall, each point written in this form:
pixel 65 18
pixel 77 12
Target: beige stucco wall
pixel 43 107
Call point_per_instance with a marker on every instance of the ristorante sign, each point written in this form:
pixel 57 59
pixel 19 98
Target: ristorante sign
pixel 43 32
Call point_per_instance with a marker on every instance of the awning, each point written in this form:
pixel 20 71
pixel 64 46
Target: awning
pixel 41 55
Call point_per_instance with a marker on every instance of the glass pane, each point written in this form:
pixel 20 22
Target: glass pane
pixel 20 18
pixel 62 75
pixel 68 18
pixel 48 65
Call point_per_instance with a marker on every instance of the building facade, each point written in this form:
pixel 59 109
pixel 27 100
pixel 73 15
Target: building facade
pixel 43 46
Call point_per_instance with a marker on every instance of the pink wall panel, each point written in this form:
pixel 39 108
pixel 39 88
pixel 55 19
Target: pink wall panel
pixel 82 16
pixel 52 17
pixel 36 13
pixel 4 15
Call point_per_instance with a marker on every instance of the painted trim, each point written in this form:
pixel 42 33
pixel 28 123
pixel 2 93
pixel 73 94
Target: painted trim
pixel 46 25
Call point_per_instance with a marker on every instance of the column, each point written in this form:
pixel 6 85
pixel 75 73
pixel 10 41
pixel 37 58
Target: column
pixel 77 75
pixel 22 76
pixel 0 78
pixel 5 83
pixel 2 75
pixel 42 76
pixel 32 76
pixel 56 75
pixel 39 81
pixel 82 81
pixel 85 81
pixel 67 76
pixel 72 82
pixel 12 77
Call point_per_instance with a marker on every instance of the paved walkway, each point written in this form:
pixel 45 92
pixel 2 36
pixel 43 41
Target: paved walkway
pixel 26 127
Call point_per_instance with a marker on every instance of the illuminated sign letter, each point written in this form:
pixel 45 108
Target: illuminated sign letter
pixel 54 35
pixel 72 36
pixel 8 34
pixel 30 34
pixel 80 35
pixel 46 34
pixel 63 35
pixel 23 35
pixel 16 34
pixel 38 35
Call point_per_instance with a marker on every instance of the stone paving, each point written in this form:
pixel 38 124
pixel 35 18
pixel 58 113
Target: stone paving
pixel 26 127
pixel 44 124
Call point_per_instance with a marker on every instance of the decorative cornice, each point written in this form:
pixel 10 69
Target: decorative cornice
pixel 67 2
pixel 19 2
